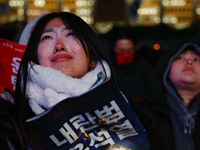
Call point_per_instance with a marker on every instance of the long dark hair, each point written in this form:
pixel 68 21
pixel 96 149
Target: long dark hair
pixel 91 45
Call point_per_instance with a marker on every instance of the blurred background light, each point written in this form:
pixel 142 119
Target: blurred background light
pixel 156 46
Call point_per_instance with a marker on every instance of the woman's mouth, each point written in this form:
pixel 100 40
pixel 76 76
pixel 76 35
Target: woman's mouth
pixel 188 69
pixel 61 57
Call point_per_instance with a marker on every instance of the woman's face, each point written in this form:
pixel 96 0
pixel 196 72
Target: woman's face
pixel 59 50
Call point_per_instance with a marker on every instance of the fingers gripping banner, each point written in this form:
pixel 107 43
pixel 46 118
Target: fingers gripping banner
pixel 10 58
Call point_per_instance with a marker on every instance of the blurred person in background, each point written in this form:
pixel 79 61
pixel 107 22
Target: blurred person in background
pixel 131 73
pixel 171 114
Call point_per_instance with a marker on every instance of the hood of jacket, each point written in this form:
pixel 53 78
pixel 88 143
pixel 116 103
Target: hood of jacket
pixel 27 30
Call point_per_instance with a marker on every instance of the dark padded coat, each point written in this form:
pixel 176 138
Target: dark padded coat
pixel 10 138
pixel 132 77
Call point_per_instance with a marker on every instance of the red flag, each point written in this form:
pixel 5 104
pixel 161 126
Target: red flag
pixel 10 58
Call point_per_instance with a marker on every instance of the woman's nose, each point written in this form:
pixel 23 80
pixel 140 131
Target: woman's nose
pixel 60 47
pixel 189 61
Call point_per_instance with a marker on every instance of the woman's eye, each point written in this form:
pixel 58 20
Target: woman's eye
pixel 197 59
pixel 46 38
pixel 180 58
pixel 70 34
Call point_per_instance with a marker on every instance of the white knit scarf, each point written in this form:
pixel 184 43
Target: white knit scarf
pixel 46 86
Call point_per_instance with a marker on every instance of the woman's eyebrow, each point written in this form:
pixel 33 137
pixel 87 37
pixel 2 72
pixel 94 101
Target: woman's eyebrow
pixel 66 28
pixel 51 30
pixel 48 30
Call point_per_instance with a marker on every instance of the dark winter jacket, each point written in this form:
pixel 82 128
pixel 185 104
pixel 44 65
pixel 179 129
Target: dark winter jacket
pixel 10 138
pixel 132 77
pixel 155 112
